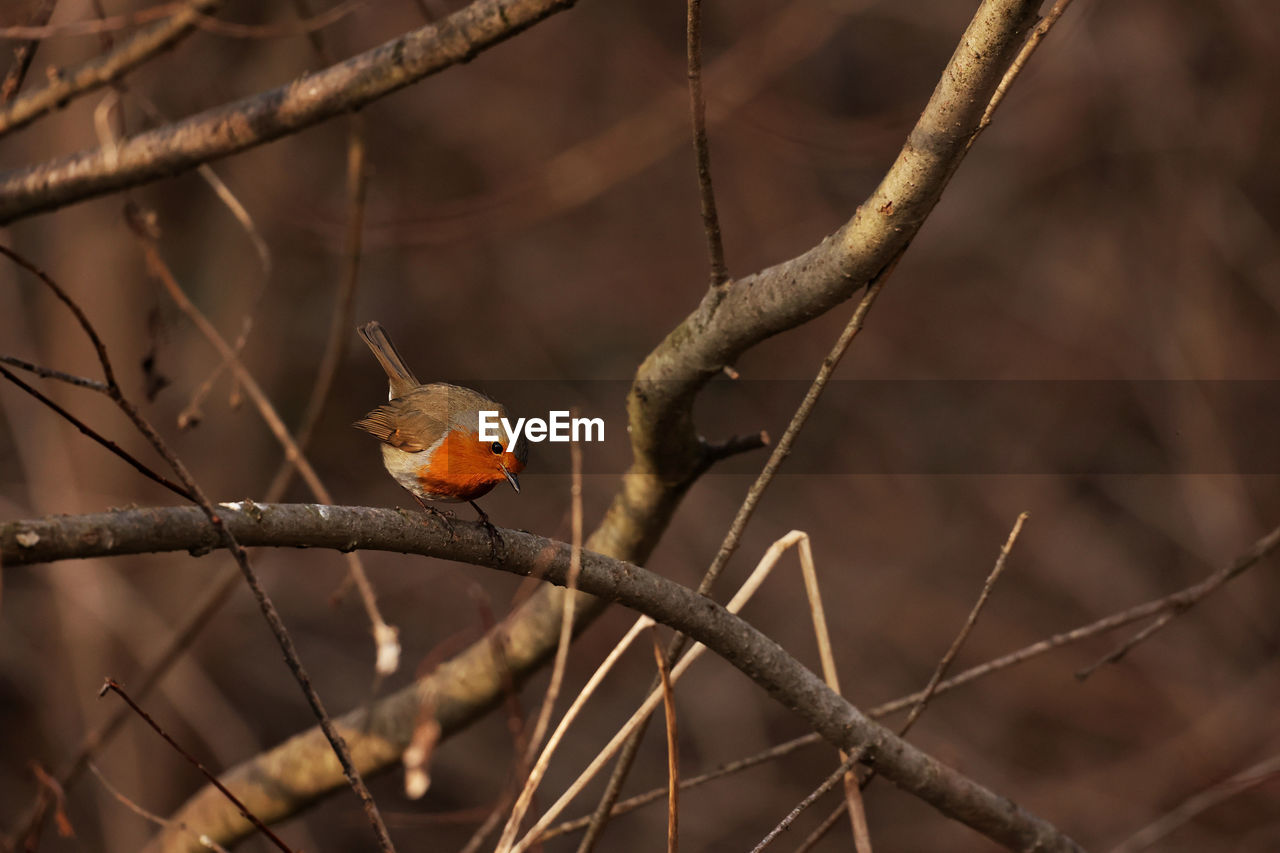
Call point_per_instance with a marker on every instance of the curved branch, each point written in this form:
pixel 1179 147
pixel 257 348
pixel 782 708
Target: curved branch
pixel 269 115
pixel 760 658
pixel 732 319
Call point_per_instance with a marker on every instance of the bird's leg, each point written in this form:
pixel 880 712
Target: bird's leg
pixel 445 517
pixel 495 538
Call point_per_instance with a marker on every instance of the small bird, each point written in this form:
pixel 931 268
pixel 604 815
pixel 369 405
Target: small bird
pixel 430 436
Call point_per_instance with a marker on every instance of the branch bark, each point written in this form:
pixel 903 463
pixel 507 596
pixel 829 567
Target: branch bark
pixel 251 121
pixel 306 525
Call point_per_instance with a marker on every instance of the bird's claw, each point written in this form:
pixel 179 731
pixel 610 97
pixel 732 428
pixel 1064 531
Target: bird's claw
pixel 446 517
pixel 495 538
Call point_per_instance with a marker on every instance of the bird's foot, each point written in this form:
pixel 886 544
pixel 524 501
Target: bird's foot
pixel 446 517
pixel 495 538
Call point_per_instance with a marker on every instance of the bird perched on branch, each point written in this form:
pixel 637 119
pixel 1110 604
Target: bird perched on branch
pixel 430 436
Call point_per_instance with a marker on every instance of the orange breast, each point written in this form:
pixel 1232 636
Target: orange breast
pixel 460 469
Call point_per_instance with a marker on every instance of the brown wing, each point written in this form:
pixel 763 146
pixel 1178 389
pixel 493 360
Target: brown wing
pixel 413 422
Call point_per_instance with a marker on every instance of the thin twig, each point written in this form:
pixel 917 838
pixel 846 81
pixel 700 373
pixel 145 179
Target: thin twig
pixel 701 148
pixel 53 794
pixel 945 663
pixel 340 325
pixel 1189 809
pixel 268 115
pixel 112 686
pixel 104 24
pixel 103 69
pixel 98 437
pixel 226 538
pixel 653 795
pixel 202 840
pixel 229 579
pixel 50 373
pixel 94 26
pixel 1178 603
pixel 309 24
pixel 1117 654
pixel 507 839
pixel 812 839
pixel 384 634
pixel 783 449
pixel 852 790
pixel 24 53
pixel 673 746
pixel 1034 38
pixel 830 782
pixel 1174 602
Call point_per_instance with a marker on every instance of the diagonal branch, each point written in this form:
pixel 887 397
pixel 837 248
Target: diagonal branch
pixel 730 321
pixel 756 655
pixel 270 115
pixel 103 69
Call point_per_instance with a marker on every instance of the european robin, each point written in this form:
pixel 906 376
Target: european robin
pixel 430 435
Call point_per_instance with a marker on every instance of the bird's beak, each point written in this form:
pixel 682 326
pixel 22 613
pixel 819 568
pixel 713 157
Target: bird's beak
pixel 511 478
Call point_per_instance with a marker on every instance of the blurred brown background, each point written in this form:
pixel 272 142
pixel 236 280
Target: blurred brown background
pixel 532 224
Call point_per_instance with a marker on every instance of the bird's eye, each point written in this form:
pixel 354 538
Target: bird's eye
pixel 496 447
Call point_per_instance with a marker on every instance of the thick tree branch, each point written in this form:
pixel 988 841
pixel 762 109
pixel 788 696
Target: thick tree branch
pixel 731 320
pixel 269 115
pixel 760 658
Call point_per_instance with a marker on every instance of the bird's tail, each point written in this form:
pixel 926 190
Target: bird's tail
pixel 401 377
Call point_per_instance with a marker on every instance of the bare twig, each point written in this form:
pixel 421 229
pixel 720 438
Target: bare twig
pixel 1037 34
pixel 1189 809
pixel 144 813
pixel 98 437
pixel 23 54
pixel 1178 603
pixel 673 746
pixel 112 686
pixel 852 791
pixel 225 539
pixel 385 635
pixel 655 794
pixel 265 116
pixel 945 663
pixel 102 70
pixel 50 373
pixel 340 324
pixel 812 839
pixel 94 26
pixel 701 148
pixel 53 794
pixel 783 449
pixel 831 781
pixel 308 24
pixel 229 579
